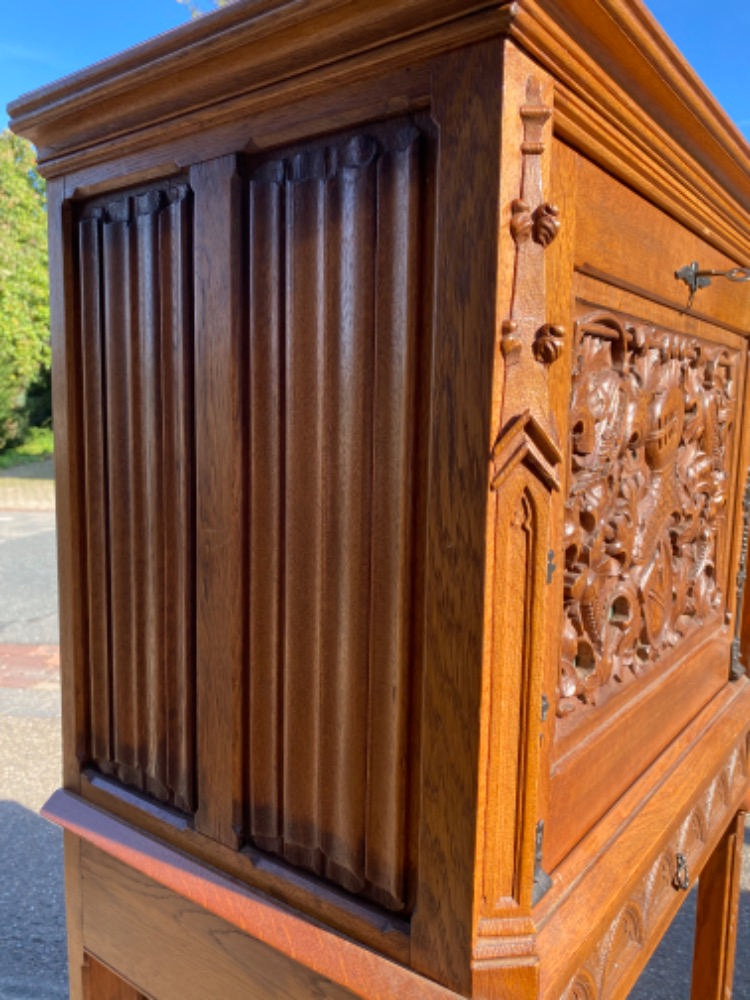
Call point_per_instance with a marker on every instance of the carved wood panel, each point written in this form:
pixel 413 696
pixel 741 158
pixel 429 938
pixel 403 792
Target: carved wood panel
pixel 334 237
pixel 134 273
pixel 652 427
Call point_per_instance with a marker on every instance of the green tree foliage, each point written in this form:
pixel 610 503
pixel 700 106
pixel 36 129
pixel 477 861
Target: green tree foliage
pixel 24 296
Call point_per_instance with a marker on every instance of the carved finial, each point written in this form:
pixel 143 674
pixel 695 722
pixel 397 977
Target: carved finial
pixel 548 343
pixel 534 115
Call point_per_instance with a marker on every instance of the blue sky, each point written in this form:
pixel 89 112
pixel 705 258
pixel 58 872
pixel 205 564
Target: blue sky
pixel 42 40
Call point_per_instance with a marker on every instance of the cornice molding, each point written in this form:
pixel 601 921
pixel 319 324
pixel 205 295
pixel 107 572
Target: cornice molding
pixel 239 51
pixel 624 96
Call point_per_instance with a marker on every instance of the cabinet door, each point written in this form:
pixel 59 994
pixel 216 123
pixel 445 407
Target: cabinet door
pixel 651 529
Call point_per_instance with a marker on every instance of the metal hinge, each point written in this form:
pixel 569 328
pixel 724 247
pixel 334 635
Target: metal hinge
pixel 551 565
pixel 545 707
pixel 542 881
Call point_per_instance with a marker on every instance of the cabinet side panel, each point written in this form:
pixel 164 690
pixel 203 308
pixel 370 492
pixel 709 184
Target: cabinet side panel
pixel 135 292
pixel 334 250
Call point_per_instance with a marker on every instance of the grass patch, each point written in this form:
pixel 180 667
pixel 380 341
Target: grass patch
pixel 38 445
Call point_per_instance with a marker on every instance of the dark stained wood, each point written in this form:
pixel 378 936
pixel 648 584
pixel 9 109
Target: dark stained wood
pixel 221 518
pixel 69 479
pixel 92 344
pixel 135 295
pixel 333 505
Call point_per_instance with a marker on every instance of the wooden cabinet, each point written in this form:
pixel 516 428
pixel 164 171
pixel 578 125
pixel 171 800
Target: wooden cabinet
pixel 400 502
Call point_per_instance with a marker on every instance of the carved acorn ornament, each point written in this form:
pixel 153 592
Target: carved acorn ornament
pixel 510 343
pixel 542 225
pixel 546 223
pixel 521 220
pixel 548 343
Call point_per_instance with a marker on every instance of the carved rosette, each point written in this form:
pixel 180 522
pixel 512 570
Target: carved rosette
pixel 651 423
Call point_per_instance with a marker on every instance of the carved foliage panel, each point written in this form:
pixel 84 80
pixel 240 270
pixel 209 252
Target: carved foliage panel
pixel 651 442
pixel 334 232
pixel 134 273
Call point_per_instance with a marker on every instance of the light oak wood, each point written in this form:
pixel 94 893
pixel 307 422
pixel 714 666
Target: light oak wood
pixel 716 917
pixel 103 984
pixel 400 496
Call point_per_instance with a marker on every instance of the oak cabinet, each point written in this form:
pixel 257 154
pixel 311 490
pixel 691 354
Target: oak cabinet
pixel 400 502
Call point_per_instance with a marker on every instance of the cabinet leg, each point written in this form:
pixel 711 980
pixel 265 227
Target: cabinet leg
pixel 73 917
pixel 716 919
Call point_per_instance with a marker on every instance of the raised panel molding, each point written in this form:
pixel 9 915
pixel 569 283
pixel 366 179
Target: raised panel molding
pixel 134 274
pixel 335 244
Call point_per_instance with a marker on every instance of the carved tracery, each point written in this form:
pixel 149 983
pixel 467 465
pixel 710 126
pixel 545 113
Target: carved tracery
pixel 651 423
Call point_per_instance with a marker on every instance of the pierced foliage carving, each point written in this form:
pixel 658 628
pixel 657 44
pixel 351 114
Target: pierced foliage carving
pixel 651 425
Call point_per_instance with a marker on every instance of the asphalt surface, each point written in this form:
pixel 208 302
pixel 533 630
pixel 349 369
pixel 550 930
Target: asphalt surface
pixel 32 918
pixel 33 960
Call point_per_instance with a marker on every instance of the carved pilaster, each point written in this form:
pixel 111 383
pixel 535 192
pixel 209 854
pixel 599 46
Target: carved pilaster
pixel 534 224
pixel 528 342
pixel 525 473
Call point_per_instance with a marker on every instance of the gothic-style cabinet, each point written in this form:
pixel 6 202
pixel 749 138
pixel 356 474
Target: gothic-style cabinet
pixel 400 502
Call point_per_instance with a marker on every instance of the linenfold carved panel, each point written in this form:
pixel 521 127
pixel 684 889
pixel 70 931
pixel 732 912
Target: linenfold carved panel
pixel 334 237
pixel 135 288
pixel 652 415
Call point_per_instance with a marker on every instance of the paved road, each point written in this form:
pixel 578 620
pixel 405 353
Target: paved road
pixel 28 577
pixel 32 921
pixel 32 932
